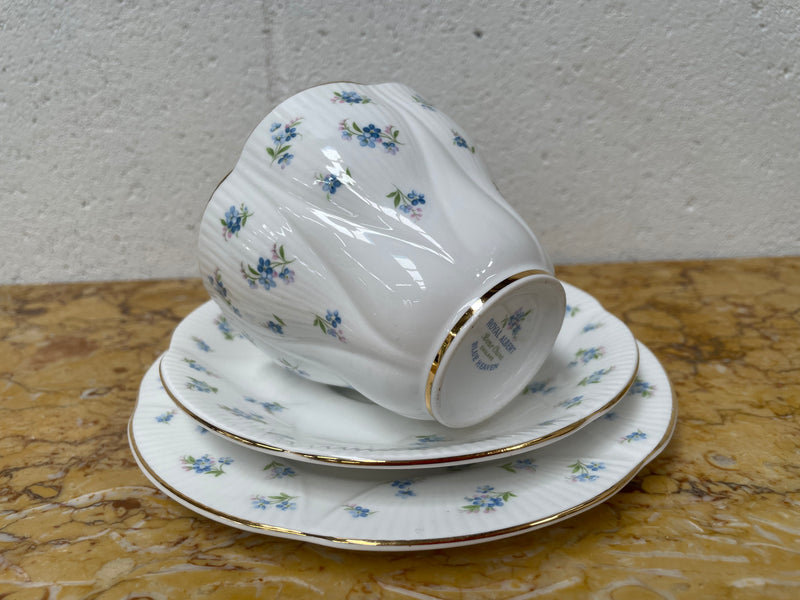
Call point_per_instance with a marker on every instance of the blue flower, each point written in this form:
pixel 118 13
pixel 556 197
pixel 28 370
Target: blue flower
pixel 372 131
pixel 460 141
pixel 272 407
pixel 285 159
pixel 166 417
pixel 264 266
pixel 260 502
pixel 366 140
pixel 485 489
pixel 225 460
pixel 203 464
pixel 357 511
pixel 416 198
pixel 595 466
pixel 286 505
pixel 330 184
pixel 277 138
pixel 351 97
pixel 275 327
pixel 333 318
pixel 403 493
pixel 233 221
pixel 287 275
pixel 267 281
pixel 291 132
pixel 635 436
pixel 390 147
pixel 275 126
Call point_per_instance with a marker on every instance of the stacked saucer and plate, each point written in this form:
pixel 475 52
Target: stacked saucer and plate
pixel 387 361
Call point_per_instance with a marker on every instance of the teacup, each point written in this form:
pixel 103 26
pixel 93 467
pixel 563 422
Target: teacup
pixel 360 241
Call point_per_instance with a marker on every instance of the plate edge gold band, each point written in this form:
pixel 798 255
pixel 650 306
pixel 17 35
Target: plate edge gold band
pixel 521 528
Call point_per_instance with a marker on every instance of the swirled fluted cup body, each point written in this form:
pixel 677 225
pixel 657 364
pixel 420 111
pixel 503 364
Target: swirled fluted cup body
pixel 359 241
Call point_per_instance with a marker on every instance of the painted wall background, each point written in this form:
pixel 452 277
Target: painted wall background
pixel 620 131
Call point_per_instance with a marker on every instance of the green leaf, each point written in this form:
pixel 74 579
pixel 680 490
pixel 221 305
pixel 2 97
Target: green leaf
pixel 283 149
pixel 397 201
pixel 253 271
pixel 395 133
pixel 224 222
pixel 356 127
pixel 271 152
pixel 279 320
pixel 281 253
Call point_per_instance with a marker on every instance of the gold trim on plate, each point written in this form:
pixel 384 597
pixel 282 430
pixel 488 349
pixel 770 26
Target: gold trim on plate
pixel 499 533
pixel 367 462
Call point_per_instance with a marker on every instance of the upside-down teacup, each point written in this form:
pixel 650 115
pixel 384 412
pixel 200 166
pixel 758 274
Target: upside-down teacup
pixel 360 241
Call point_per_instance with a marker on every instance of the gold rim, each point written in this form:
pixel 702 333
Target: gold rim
pixel 471 312
pixel 367 462
pixel 499 533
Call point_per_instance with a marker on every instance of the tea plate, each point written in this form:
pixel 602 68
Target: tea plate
pixel 371 509
pixel 231 388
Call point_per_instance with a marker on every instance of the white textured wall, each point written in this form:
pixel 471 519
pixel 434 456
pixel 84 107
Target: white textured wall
pixel 619 130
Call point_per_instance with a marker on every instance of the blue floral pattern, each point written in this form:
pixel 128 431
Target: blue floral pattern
pixel 225 328
pixel 218 288
pixel 279 470
pixel 486 499
pixel 583 472
pixel 238 412
pixel 540 387
pixel 514 321
pixel 280 142
pixel 571 403
pixel 423 103
pixel 521 464
pixel 595 377
pixel 331 183
pixel 430 439
pixel 234 220
pixel 165 417
pixel 329 324
pixel 344 97
pixel 585 355
pixel 372 136
pixel 571 311
pixel 633 436
pixel 293 368
pixel 642 387
pixel 198 385
pixel 193 364
pixel 409 204
pixel 275 326
pixel 591 327
pixel 268 269
pixel 458 140
pixel 403 486
pixel 357 511
pixel 282 501
pixel 201 345
pixel 205 465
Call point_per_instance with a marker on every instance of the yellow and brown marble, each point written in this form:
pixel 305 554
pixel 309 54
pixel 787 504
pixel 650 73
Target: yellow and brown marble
pixel 717 515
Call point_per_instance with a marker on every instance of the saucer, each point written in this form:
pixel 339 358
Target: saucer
pixel 231 388
pixel 372 509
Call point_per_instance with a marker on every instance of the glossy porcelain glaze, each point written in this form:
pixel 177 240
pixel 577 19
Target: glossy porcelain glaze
pixel 224 382
pixel 360 237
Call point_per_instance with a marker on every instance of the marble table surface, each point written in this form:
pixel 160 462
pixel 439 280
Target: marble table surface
pixel 716 515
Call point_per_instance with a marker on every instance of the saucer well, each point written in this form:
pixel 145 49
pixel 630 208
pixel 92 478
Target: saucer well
pixel 231 388
pixel 409 509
